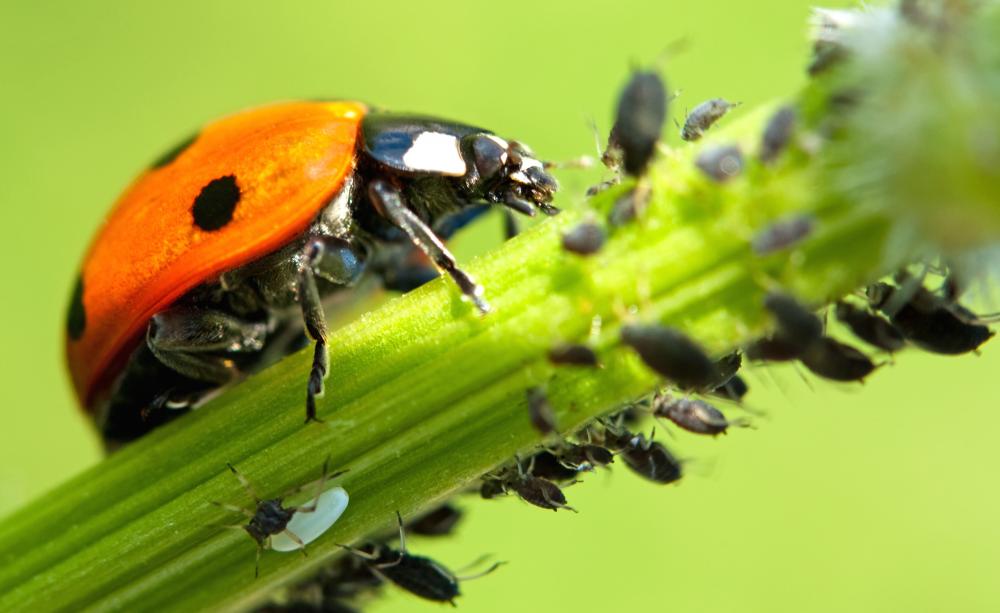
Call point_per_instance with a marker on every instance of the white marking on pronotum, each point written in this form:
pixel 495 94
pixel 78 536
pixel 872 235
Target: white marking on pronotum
pixel 310 525
pixel 435 152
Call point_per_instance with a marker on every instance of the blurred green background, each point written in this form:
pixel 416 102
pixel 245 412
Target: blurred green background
pixel 843 498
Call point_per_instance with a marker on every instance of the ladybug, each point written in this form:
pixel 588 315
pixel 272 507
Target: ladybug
pixel 213 259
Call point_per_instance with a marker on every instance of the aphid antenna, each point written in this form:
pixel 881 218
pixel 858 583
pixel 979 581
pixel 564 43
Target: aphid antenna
pixel 804 376
pixel 234 509
pixel 984 319
pixel 664 424
pixel 489 570
pixel 740 422
pixel 480 560
pixel 702 467
pixel 364 555
pixel 244 482
pixel 326 476
pixel 670 50
pixel 402 532
pixel 582 162
pixel 747 408
pixel 595 132
pixel 769 377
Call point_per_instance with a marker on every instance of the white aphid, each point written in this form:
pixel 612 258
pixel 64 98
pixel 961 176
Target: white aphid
pixel 310 525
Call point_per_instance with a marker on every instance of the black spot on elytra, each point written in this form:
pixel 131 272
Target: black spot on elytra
pixel 76 319
pixel 171 154
pixel 214 206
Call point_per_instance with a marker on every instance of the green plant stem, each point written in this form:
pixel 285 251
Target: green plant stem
pixel 425 395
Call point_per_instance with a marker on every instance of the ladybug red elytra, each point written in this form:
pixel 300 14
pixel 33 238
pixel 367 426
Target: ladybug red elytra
pixel 212 259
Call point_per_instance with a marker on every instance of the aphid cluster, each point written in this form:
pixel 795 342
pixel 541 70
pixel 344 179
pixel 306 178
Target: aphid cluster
pixel 799 335
pixel 531 488
pixel 893 315
pixel 933 321
pixel 339 586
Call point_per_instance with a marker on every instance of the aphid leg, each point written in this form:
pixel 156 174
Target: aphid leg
pixel 295 539
pixel 315 322
pixel 244 482
pixel 554 505
pixel 320 483
pixel 474 563
pixel 361 554
pixel 389 203
pixel 234 509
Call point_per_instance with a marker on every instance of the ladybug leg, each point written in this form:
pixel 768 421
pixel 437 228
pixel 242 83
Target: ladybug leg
pixel 194 342
pixel 315 321
pixel 389 203
pixel 510 226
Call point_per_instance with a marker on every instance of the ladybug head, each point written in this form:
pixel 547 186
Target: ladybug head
pixel 507 173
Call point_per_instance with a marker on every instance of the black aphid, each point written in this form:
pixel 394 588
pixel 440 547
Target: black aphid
pixel 540 411
pixel 547 465
pixel 703 117
pixel 418 575
pixel 585 239
pixel 530 488
pixel 585 456
pixel 777 133
pixel 642 108
pixel 573 355
pixel 773 349
pixel 540 492
pixel 870 327
pixel 651 460
pixel 835 360
pixel 931 322
pixel 782 234
pixel 270 517
pixel 492 487
pixel 628 206
pixel 613 438
pixel 734 389
pixel 347 578
pixel 672 354
pixel 720 163
pixel 726 368
pixel 693 415
pixel 439 521
pixel 797 325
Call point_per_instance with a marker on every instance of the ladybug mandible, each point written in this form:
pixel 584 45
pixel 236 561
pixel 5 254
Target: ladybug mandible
pixel 208 265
